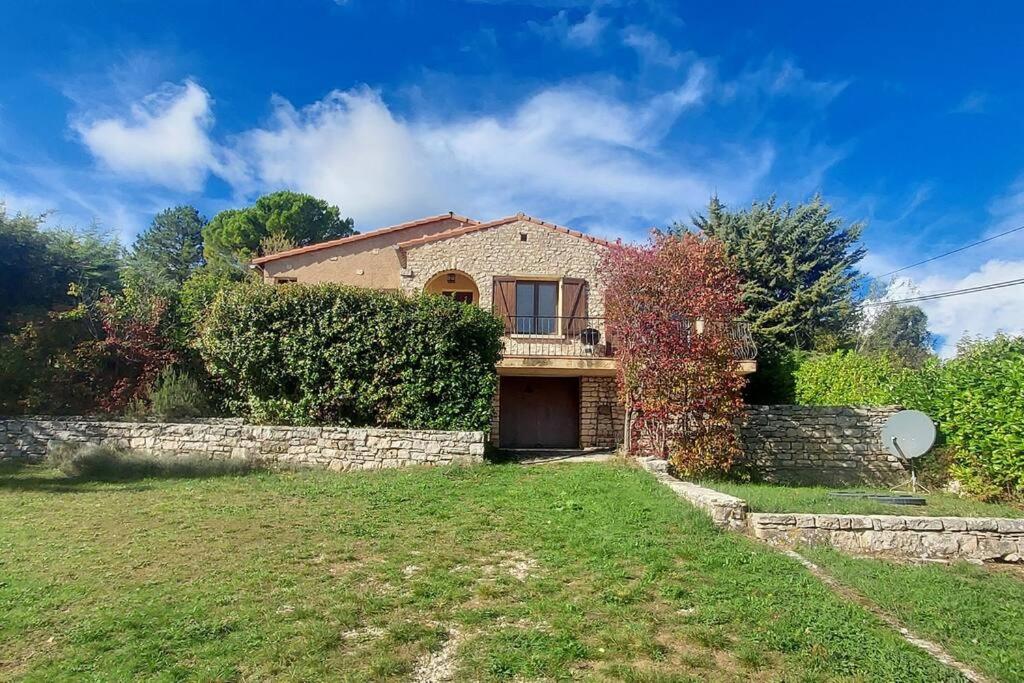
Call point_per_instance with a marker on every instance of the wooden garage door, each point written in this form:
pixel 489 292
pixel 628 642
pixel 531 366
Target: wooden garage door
pixel 539 412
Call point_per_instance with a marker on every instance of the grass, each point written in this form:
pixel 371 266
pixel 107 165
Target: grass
pixel 504 572
pixel 776 498
pixel 108 463
pixel 975 612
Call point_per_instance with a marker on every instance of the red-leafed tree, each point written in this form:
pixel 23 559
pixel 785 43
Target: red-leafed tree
pixel 670 306
pixel 132 350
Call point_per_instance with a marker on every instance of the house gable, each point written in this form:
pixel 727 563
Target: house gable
pixel 519 247
pixel 365 260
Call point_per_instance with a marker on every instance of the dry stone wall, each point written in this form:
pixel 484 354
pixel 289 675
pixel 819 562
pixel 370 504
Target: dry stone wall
pixel 819 445
pixel 334 448
pixel 985 539
pixel 602 417
pixel 939 538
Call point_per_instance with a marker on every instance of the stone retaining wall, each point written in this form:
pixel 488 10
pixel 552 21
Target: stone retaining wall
pixel 334 448
pixel 819 445
pixel 725 510
pixel 941 538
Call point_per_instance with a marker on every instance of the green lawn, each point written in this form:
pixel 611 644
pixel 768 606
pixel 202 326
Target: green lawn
pixel 775 498
pixel 501 572
pixel 975 612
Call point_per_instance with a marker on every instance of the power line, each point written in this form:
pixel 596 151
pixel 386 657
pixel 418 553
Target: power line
pixel 952 292
pixel 949 253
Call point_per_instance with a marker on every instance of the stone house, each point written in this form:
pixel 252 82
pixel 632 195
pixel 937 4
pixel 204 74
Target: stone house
pixel 557 372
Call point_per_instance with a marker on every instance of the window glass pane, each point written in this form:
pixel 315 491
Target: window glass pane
pixel 524 308
pixel 547 301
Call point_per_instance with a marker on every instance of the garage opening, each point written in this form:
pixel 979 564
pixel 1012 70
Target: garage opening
pixel 539 412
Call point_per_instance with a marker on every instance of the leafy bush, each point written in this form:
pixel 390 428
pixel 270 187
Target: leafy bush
pixel 108 463
pixel 331 354
pixel 176 395
pixel 976 399
pixel 775 380
pixel 42 370
pixel 849 378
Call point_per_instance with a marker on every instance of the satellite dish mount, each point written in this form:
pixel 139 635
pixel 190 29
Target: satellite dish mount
pixel 908 435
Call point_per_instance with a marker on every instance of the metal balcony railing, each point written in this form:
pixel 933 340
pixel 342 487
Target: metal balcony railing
pixel 556 336
pixel 584 337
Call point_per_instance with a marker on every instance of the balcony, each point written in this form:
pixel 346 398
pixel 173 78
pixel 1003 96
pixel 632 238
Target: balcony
pixel 566 343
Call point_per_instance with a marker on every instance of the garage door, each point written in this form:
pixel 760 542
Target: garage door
pixel 539 412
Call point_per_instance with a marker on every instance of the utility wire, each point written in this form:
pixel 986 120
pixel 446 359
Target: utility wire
pixel 949 253
pixel 952 292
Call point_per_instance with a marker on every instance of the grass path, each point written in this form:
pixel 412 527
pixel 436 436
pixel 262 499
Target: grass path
pixel 975 613
pixel 588 571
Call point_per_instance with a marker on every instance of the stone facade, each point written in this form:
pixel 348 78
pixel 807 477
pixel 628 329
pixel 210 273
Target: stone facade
pixel 602 417
pixel 334 448
pixel 819 445
pixel 546 254
pixel 939 538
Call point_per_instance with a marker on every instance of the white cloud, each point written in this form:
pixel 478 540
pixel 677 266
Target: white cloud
pixel 584 33
pixel 982 313
pixel 999 260
pixel 164 139
pixel 588 31
pixel 566 152
pixel 652 48
pixel 782 77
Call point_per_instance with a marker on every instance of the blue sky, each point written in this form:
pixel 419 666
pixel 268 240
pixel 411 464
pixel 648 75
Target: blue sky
pixel 610 116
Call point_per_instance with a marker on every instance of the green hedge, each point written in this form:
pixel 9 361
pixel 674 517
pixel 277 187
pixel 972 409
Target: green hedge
pixel 977 398
pixel 330 354
pixel 849 378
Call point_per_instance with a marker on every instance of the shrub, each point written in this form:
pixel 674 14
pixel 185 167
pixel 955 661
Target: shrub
pixel 775 380
pixel 109 463
pixel 978 400
pixel 332 354
pixel 176 395
pixel 670 306
pixel 849 378
pixel 975 398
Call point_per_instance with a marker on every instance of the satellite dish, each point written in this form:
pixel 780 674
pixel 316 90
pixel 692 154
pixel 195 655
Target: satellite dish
pixel 908 434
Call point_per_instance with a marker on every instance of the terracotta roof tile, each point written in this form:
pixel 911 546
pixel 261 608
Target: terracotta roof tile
pixel 364 235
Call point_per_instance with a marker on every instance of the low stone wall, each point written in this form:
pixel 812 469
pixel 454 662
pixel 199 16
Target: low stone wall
pixel 334 448
pixel 942 538
pixel 935 538
pixel 725 510
pixel 819 445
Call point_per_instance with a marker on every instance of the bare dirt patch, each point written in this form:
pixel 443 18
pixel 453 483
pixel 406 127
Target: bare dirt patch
pixel 439 666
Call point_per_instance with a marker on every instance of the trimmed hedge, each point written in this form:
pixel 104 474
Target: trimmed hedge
pixel 332 354
pixel 977 399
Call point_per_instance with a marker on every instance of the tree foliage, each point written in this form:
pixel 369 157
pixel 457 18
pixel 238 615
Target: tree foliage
pixel 166 254
pixel 797 265
pixel 235 235
pixel 330 354
pixel 901 331
pixel 669 307
pixel 39 267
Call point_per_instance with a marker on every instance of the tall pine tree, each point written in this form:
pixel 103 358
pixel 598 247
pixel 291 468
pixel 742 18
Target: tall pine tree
pixel 168 251
pixel 798 266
